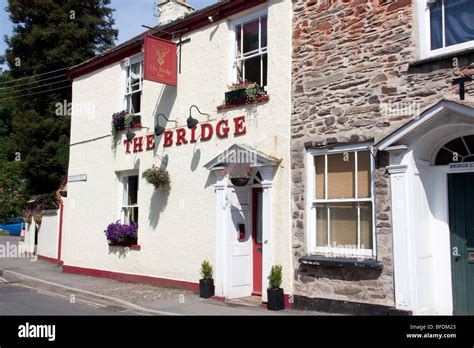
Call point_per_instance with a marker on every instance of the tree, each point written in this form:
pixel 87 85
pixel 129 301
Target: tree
pixel 49 36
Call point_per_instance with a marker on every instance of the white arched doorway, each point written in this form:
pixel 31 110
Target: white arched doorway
pixel 425 156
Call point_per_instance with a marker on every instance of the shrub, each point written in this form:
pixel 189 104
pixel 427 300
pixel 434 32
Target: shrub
pixel 206 270
pixel 275 277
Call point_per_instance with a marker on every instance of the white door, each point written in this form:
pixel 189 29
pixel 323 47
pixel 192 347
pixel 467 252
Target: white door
pixel 240 243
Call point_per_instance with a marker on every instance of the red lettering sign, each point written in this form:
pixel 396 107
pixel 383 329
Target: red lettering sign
pixel 138 144
pixel 222 132
pixel 240 128
pixel 206 131
pixel 150 142
pixel 127 145
pixel 168 138
pixel 160 61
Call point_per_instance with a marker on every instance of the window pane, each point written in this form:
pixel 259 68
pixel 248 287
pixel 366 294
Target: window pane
pixel 252 70
pixel 343 225
pixel 135 102
pixel 239 65
pixel 341 175
pixel 436 25
pixel 263 23
pixel 238 40
pixel 133 217
pixel 363 174
pixel 132 190
pixel 459 21
pixel 319 183
pixel 265 69
pixel 321 225
pixel 251 36
pixel 365 225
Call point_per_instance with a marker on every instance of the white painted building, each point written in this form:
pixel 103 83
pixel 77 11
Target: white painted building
pixel 201 216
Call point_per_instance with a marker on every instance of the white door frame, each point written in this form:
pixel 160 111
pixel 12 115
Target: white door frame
pixel 222 214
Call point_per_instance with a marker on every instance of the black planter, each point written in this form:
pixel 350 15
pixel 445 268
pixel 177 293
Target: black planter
pixel 239 181
pixel 276 300
pixel 206 288
pixel 236 96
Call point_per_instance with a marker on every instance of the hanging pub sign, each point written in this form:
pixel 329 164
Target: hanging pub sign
pixel 160 61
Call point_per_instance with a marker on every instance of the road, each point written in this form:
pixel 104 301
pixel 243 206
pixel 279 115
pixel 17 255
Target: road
pixel 20 299
pixel 17 298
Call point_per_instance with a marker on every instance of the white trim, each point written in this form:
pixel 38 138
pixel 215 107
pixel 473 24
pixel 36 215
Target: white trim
pixel 425 35
pixel 259 52
pixel 433 112
pixel 311 201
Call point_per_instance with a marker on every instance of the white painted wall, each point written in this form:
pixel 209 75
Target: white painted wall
pixel 48 234
pixel 177 231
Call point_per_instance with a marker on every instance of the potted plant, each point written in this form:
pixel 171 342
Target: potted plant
pixel 243 93
pixel 274 292
pixel 206 284
pixel 158 177
pixel 119 234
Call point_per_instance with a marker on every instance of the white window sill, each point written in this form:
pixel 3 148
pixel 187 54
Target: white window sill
pixel 442 55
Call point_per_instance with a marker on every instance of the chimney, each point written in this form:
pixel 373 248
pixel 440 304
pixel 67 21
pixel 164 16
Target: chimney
pixel 170 10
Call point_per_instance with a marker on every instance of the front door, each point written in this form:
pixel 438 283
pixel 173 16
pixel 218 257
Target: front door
pixel 461 221
pixel 257 246
pixel 240 243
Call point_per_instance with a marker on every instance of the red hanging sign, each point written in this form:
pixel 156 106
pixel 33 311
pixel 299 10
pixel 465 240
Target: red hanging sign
pixel 160 61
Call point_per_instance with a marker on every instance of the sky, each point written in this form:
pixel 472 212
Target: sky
pixel 126 14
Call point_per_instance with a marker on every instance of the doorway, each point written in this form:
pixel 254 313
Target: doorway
pixel 461 223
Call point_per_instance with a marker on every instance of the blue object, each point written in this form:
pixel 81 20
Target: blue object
pixel 13 226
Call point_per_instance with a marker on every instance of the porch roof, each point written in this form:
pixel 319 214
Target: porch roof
pixel 240 151
pixel 438 110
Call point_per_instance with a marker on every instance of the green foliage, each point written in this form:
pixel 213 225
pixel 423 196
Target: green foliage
pixel 48 35
pixel 12 189
pixel 275 276
pixel 206 270
pixel 158 177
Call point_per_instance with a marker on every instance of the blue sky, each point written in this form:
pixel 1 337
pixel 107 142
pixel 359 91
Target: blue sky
pixel 126 14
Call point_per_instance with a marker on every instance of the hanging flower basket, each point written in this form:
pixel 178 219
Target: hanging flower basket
pixel 239 181
pixel 158 177
pixel 119 234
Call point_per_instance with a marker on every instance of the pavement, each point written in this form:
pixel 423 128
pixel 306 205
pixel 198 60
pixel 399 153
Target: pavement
pixel 102 296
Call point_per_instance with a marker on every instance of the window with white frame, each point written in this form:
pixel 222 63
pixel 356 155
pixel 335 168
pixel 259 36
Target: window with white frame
pixel 449 25
pixel 341 202
pixel 134 84
pixel 251 58
pixel 129 199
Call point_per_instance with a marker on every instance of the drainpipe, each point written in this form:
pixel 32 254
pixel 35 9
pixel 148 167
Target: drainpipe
pixel 61 209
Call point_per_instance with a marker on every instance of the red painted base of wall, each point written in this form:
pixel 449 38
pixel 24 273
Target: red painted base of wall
pixel 48 259
pixel 132 278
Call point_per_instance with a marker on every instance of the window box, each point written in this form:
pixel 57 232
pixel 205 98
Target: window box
pixel 122 121
pixel 132 243
pixel 244 93
pixel 319 260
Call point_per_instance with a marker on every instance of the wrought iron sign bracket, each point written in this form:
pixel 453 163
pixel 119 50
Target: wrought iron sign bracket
pixel 460 81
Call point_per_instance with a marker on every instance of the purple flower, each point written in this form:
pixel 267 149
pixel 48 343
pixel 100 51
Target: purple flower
pixel 121 233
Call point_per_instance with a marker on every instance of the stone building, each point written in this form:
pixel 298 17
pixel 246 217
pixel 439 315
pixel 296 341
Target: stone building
pixel 382 144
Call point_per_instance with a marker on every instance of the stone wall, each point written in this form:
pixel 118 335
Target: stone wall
pixel 356 78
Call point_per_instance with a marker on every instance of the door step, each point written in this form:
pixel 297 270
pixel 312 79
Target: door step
pixel 250 301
